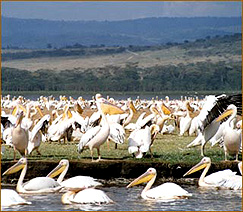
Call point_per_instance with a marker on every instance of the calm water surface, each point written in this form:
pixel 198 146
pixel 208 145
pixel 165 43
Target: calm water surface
pixel 130 200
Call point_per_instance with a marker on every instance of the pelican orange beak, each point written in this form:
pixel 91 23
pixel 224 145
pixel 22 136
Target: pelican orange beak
pixel 15 168
pixel 14 112
pixel 56 171
pixel 142 179
pixel 19 118
pixel 165 110
pixel 131 105
pixel 66 110
pixel 225 114
pixel 39 110
pixel 110 109
pixel 78 108
pixel 196 168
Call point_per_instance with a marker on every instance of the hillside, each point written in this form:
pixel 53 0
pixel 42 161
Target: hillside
pixel 35 33
pixel 213 63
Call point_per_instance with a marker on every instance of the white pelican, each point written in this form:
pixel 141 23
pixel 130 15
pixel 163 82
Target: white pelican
pixel 20 137
pixel 140 140
pixel 141 122
pixel 10 197
pixel 27 120
pixel 60 127
pixel 117 133
pixel 231 136
pixel 35 185
pixel 36 134
pixel 77 182
pixel 212 108
pixel 96 136
pixel 132 110
pixel 185 122
pixel 221 179
pixel 86 196
pixel 166 191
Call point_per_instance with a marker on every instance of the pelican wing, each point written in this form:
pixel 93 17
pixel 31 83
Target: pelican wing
pixel 77 117
pixel 94 119
pixel 146 120
pixel 232 182
pixel 41 183
pixel 39 125
pixel 145 139
pixel 140 118
pixel 218 178
pixel 87 137
pixel 117 133
pixel 130 126
pixel 167 191
pixel 92 196
pixel 139 141
pixel 80 182
pixel 216 105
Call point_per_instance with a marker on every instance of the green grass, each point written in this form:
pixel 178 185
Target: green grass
pixel 166 148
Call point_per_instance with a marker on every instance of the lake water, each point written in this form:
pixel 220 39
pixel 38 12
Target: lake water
pixel 130 200
pixel 116 96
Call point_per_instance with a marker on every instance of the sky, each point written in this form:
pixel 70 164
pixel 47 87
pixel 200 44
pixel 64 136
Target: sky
pixel 120 10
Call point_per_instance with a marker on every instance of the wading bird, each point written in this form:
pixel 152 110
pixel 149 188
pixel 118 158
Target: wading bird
pixel 231 136
pixel 20 137
pixel 96 136
pixel 212 109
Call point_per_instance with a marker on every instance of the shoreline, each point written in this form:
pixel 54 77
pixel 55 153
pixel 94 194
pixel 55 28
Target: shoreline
pixel 110 170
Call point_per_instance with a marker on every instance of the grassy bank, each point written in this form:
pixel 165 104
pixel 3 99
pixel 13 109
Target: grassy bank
pixel 166 148
pixel 171 159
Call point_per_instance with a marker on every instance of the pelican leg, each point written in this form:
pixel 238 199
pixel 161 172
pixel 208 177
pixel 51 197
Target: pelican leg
pixel 25 152
pixel 14 154
pixel 236 157
pixel 115 145
pixel 108 142
pixel 91 153
pixel 202 147
pixel 38 152
pixel 225 156
pixel 98 152
pixel 202 150
pixel 151 153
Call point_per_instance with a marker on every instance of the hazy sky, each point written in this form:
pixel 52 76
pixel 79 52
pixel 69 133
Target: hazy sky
pixel 117 10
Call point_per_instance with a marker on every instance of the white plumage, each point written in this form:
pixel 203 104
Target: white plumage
pixel 166 191
pixel 86 196
pixel 222 179
pixel 10 197
pixel 139 142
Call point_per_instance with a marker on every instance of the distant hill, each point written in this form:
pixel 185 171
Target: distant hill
pixel 37 33
pixel 212 64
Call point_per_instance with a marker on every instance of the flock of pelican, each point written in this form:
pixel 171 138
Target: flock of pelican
pixel 216 119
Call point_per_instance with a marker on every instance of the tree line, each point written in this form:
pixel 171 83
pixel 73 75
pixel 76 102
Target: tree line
pixel 200 76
